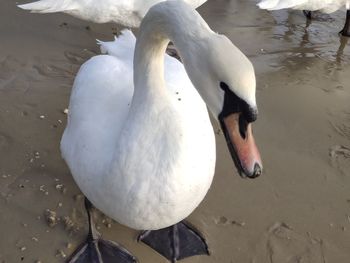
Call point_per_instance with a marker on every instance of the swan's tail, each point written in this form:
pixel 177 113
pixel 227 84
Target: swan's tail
pixel 120 46
pixel 49 6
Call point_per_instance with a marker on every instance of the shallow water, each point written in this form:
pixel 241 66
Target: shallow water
pixel 298 211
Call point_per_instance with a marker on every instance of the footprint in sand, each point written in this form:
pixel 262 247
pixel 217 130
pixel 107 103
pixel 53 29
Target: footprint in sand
pixel 282 244
pixel 79 59
pixel 322 17
pixel 340 158
pixel 5 141
pixel 51 71
pixel 285 245
pixel 343 129
pixel 10 67
pixel 224 221
pixel 15 74
pixel 61 68
pixel 339 150
pixel 341 124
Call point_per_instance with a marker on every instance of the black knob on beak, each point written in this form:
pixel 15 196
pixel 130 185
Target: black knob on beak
pixel 257 171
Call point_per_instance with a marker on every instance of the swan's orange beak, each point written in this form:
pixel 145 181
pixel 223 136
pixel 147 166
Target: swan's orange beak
pixel 241 143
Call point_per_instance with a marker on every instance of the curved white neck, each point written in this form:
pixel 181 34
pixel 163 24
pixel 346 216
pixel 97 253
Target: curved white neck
pixel 171 20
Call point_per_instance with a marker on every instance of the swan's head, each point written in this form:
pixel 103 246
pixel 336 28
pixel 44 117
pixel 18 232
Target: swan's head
pixel 225 78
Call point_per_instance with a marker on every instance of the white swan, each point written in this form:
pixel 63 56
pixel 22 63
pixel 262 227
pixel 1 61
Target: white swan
pixel 124 12
pixel 140 146
pixel 325 6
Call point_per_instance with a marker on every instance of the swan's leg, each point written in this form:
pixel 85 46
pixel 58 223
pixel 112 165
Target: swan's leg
pixel 97 250
pixel 175 242
pixel 308 14
pixel 346 29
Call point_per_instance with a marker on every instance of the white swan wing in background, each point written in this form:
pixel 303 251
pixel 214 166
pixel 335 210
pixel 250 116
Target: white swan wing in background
pixel 125 12
pixel 326 6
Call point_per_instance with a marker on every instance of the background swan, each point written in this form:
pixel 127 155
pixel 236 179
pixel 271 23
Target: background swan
pixel 141 146
pixel 326 6
pixel 124 12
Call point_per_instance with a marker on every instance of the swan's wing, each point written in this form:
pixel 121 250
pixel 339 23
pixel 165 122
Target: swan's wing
pixel 50 6
pixel 98 107
pixel 101 11
pixel 122 47
pixel 125 12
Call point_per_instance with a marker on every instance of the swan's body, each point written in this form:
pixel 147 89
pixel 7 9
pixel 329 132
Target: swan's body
pixel 145 161
pixel 125 12
pixel 325 6
pixel 140 145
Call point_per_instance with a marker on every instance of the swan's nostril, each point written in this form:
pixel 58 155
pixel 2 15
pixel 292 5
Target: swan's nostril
pixel 243 126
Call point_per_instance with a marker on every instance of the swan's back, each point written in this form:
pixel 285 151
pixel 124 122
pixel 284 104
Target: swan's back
pixel 326 6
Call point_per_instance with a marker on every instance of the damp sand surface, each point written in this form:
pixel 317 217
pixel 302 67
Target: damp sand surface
pixel 298 211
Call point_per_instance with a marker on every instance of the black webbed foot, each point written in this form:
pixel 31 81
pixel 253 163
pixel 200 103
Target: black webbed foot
pixel 175 242
pixel 97 250
pixel 101 251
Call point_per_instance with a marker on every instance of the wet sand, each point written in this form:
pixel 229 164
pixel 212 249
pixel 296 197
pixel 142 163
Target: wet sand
pixel 298 211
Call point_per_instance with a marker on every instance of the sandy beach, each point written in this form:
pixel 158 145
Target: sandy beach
pixel 298 211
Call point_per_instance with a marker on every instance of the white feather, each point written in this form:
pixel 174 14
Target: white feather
pixel 326 6
pixel 125 12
